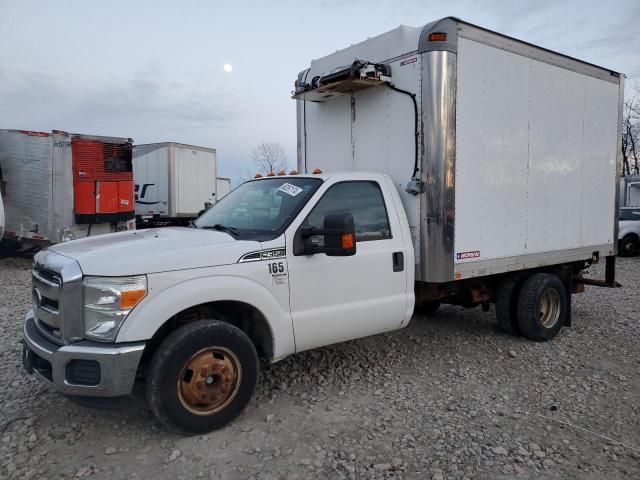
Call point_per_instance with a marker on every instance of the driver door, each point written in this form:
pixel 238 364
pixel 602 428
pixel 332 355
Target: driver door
pixel 338 298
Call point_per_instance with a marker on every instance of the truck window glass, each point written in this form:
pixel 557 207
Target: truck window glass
pixel 261 209
pixel 361 199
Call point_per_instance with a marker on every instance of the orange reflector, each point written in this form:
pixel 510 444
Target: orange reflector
pixel 317 171
pixel 282 172
pixel 438 37
pixel 347 240
pixel 130 298
pixel 271 174
pixel 293 172
pixel 457 275
pixel 257 175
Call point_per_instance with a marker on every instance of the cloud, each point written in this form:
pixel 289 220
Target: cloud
pixel 144 102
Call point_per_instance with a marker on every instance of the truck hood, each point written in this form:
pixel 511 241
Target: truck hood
pixel 154 250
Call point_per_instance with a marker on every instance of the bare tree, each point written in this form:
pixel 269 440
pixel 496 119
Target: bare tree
pixel 270 157
pixel 631 134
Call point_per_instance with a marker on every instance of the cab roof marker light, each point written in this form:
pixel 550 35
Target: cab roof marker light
pixel 438 37
pixel 282 172
pixel 257 175
pixel 293 172
pixel 316 171
pixel 271 174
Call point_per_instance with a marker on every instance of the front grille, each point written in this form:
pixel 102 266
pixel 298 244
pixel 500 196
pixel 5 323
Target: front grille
pixel 46 294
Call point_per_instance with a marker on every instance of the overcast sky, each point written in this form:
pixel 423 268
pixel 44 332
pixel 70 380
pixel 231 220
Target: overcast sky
pixel 153 70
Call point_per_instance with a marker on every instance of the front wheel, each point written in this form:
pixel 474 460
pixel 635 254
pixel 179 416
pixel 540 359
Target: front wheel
pixel 202 376
pixel 629 246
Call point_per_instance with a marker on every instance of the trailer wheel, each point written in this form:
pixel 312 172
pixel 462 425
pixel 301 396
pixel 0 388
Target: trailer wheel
pixel 629 245
pixel 202 376
pixel 542 307
pixel 428 308
pixel 507 302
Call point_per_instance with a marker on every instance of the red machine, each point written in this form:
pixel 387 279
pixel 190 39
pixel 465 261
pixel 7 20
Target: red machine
pixel 102 181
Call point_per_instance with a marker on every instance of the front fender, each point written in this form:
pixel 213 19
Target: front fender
pixel 627 229
pixel 169 295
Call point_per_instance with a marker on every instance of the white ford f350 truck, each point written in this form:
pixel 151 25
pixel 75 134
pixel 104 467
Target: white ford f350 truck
pixel 456 165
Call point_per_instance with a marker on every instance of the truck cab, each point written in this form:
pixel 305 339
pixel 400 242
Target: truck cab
pixel 279 265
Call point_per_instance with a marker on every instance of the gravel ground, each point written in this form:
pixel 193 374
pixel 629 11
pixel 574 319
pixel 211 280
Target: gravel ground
pixel 449 397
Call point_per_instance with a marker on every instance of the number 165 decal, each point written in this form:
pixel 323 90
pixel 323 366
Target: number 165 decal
pixel 276 267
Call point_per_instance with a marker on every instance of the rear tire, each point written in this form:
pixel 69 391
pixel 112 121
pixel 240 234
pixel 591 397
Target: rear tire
pixel 507 303
pixel 542 307
pixel 629 246
pixel 202 376
pixel 428 308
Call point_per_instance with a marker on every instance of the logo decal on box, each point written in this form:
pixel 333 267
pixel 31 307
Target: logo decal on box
pixel 407 62
pixel 467 255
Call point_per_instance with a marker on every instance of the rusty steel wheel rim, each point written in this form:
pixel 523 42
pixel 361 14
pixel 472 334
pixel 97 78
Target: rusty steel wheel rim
pixel 549 308
pixel 209 380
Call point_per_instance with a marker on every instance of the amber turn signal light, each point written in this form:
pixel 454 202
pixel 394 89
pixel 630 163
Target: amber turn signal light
pixel 347 240
pixel 130 298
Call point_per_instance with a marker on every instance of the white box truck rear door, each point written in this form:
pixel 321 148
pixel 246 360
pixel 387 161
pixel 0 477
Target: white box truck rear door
pixel 194 180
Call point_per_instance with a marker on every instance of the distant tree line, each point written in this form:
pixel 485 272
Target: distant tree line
pixel 631 133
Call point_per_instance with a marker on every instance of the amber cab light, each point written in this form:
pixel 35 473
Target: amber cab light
pixel 282 172
pixel 271 174
pixel 438 37
pixel 293 172
pixel 257 175
pixel 316 171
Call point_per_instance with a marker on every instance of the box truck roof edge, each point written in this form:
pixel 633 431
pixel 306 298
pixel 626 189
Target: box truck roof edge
pixel 176 144
pixel 449 26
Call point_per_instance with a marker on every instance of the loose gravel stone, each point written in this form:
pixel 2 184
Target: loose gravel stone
pixel 448 397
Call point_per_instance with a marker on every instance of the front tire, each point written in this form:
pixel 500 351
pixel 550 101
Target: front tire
pixel 629 246
pixel 202 376
pixel 542 307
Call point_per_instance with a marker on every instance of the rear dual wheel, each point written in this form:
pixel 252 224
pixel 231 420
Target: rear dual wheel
pixel 534 306
pixel 202 376
pixel 542 307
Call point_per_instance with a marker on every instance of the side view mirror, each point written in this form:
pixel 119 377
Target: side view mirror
pixel 338 233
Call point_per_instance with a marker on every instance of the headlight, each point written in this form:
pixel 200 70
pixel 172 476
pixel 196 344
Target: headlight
pixel 108 301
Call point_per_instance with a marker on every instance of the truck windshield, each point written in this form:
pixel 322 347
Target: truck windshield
pixel 259 209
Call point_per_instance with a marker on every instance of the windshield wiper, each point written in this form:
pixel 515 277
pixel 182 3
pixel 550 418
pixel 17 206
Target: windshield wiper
pixel 223 228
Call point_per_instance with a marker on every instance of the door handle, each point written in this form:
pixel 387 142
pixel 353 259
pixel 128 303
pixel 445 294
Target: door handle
pixel 398 261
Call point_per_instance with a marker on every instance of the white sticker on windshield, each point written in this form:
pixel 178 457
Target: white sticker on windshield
pixel 290 189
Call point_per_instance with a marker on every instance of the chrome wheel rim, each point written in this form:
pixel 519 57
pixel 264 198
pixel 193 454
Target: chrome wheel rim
pixel 209 380
pixel 549 308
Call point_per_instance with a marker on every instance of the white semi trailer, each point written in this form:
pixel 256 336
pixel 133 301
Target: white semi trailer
pixel 223 186
pixel 439 164
pixel 173 182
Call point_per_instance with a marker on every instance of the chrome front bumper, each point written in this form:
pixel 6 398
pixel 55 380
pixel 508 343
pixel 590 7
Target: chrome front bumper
pixel 116 364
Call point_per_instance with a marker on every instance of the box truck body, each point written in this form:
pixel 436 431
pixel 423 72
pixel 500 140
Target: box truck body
pixel 223 186
pixel 510 151
pixel 59 186
pixel 173 181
